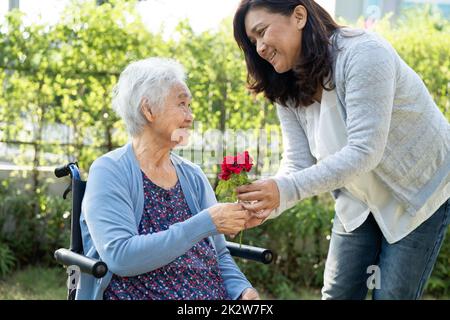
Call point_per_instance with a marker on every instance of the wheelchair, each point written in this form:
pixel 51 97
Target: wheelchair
pixel 74 258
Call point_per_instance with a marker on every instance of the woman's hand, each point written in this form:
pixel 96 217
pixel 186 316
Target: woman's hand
pixel 250 294
pixel 229 218
pixel 254 221
pixel 263 194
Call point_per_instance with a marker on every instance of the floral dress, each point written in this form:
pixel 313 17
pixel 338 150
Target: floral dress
pixel 194 275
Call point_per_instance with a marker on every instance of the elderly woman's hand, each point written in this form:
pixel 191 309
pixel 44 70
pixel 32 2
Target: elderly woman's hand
pixel 229 218
pixel 263 195
pixel 250 294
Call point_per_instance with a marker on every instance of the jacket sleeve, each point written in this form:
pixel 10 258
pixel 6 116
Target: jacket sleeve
pixel 108 209
pixel 234 279
pixel 296 155
pixel 369 82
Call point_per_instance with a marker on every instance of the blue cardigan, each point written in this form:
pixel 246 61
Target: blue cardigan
pixel 111 212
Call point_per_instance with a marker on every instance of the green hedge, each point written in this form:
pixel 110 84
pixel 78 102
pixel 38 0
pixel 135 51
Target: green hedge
pixel 31 227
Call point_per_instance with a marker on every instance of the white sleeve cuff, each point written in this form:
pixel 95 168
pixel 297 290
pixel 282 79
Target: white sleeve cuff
pixel 287 195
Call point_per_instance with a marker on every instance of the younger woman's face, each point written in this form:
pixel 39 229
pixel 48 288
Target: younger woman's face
pixel 277 38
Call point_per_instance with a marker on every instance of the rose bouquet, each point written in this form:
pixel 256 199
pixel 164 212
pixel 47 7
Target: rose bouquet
pixel 233 174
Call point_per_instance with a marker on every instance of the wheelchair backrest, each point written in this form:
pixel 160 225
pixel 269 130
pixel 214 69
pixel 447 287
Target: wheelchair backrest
pixel 78 188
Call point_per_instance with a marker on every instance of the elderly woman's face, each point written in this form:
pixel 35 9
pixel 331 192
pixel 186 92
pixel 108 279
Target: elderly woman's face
pixel 277 38
pixel 176 117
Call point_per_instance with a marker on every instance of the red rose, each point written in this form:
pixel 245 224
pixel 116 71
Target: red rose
pixel 228 160
pixel 245 161
pixel 235 165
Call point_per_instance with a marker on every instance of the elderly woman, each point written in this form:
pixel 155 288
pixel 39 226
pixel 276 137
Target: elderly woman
pixel 151 215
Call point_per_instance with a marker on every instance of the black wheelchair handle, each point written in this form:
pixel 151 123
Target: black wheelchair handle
pixel 87 265
pixel 70 168
pixel 249 252
pixel 62 171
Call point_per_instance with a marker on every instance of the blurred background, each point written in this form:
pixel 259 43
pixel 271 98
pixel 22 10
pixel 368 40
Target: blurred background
pixel 59 60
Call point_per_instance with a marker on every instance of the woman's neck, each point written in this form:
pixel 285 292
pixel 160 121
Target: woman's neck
pixel 151 153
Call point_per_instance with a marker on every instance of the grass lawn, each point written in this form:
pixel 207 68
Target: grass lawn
pixel 34 283
pixel 303 294
pixel 43 283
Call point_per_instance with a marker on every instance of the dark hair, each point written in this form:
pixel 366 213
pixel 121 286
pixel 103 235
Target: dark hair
pixel 301 83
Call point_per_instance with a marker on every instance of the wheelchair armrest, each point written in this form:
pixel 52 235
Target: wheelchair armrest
pixel 251 253
pixel 98 268
pixel 87 265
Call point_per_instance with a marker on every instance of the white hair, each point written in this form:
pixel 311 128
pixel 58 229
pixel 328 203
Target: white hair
pixel 150 79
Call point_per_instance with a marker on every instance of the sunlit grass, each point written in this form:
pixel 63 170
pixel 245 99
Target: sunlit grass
pixel 34 283
pixel 42 283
